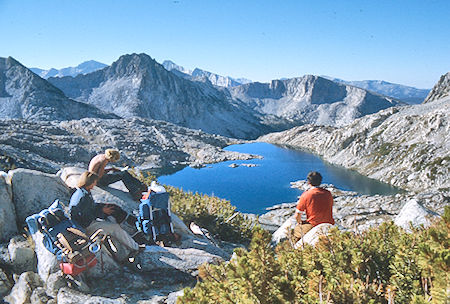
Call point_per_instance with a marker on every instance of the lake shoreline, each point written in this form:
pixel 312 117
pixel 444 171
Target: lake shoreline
pixel 268 178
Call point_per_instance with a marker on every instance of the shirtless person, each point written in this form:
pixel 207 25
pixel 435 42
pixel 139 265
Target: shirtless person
pixel 108 176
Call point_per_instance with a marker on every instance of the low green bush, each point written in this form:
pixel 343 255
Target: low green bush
pixel 380 265
pixel 216 215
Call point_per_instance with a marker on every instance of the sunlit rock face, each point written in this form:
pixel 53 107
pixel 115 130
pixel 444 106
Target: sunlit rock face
pixel 440 90
pixel 311 100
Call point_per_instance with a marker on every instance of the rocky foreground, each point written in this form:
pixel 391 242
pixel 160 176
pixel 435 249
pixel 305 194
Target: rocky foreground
pixel 148 144
pixel 355 212
pixel 30 274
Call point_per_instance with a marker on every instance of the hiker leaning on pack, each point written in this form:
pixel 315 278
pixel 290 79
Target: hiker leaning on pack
pixel 317 202
pixel 91 215
pixel 111 175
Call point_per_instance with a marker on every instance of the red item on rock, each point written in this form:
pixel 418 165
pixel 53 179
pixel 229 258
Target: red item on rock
pixel 78 267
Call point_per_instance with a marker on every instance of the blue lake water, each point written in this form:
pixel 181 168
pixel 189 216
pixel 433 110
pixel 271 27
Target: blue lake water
pixel 252 189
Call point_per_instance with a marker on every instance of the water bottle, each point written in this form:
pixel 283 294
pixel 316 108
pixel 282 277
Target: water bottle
pixel 94 248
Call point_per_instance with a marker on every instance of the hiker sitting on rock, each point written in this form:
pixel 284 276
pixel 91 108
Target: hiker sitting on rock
pixel 108 176
pixel 317 202
pixel 91 215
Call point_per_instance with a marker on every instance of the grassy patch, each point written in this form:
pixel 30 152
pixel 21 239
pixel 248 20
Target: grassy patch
pixel 385 149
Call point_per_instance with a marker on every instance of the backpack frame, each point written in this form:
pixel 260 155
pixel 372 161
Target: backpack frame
pixel 155 217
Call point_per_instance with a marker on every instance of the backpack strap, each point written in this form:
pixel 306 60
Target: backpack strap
pixel 52 212
pixel 62 239
pixel 78 232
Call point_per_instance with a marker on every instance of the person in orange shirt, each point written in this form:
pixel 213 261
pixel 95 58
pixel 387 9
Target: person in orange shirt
pixel 317 203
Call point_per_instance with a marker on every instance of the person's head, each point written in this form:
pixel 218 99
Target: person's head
pixel 87 180
pixel 314 178
pixel 112 155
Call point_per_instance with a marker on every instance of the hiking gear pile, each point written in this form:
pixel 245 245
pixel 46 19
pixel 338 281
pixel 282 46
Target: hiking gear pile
pixel 66 239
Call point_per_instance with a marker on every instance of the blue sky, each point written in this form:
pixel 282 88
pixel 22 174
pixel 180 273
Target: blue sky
pixel 406 42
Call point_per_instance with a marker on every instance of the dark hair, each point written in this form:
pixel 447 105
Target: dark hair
pixel 314 178
pixel 87 179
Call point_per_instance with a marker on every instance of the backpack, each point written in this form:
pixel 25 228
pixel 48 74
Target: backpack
pixel 65 238
pixel 154 217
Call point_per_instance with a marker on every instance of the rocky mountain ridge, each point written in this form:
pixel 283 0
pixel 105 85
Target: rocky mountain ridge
pixel 83 68
pixel 25 95
pixel 404 93
pixel 137 86
pixel 404 146
pixel 311 99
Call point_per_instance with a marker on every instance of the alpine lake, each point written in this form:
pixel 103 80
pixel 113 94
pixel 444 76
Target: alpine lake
pixel 254 188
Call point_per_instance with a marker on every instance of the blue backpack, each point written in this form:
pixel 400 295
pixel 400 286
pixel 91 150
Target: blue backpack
pixel 64 238
pixel 154 217
pixel 50 222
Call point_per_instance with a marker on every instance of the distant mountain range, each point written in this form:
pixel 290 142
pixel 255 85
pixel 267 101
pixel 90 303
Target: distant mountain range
pixel 205 76
pixel 137 86
pixel 83 68
pixel 404 93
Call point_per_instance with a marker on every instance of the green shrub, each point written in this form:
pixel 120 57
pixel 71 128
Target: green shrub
pixel 253 277
pixel 434 259
pixel 380 265
pixel 7 163
pixel 217 215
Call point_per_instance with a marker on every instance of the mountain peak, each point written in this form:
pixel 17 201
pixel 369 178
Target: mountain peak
pixel 310 99
pixel 91 65
pixel 11 61
pixel 440 90
pixel 170 66
pixel 131 64
pixel 28 96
